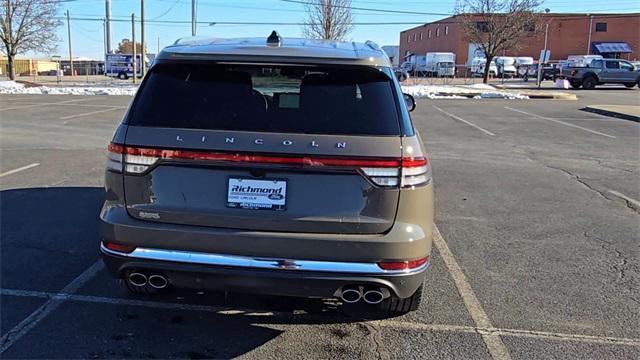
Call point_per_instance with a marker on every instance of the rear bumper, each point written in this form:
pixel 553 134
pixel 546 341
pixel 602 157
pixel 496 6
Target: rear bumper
pixel 239 274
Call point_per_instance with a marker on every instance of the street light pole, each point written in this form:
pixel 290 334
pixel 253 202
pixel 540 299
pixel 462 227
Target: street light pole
pixel 193 17
pixel 135 56
pixel 143 56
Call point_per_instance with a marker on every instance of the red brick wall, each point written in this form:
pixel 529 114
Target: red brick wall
pixel 568 35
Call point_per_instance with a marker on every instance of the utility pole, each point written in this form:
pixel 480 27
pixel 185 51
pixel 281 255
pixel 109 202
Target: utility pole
pixel 144 53
pixel 107 5
pixel 590 28
pixel 69 34
pixel 193 17
pixel 104 34
pixel 135 57
pixel 543 58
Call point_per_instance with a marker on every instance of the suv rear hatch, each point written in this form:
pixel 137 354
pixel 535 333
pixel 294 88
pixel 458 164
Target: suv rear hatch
pixel 264 147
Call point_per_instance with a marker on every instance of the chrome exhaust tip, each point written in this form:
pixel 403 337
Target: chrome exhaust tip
pixel 158 281
pixel 351 295
pixel 137 279
pixel 373 296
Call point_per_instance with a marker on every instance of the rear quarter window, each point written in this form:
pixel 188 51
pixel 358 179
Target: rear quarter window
pixel 289 99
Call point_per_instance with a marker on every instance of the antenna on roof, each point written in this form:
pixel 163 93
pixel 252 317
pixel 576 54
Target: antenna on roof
pixel 274 39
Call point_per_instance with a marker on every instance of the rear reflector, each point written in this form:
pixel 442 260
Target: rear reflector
pixel 402 265
pixel 127 249
pixel 382 171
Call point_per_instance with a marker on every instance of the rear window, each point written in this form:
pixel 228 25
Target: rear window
pixel 290 99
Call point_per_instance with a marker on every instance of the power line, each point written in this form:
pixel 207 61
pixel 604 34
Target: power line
pixel 371 9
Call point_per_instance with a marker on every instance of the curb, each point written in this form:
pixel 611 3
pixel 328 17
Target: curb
pixel 550 96
pixel 611 113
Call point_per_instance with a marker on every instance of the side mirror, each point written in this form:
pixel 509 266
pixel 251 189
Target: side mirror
pixel 409 101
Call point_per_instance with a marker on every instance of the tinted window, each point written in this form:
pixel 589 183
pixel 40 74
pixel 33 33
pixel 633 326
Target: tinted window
pixel 596 63
pixel 601 27
pixel 611 64
pixel 626 66
pixel 291 99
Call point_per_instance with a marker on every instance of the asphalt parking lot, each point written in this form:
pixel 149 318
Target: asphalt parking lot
pixel 537 257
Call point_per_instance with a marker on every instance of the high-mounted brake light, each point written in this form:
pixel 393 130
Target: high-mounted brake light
pixel 390 172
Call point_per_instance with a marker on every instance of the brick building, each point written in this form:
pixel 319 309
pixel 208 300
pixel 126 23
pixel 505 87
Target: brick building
pixel 612 35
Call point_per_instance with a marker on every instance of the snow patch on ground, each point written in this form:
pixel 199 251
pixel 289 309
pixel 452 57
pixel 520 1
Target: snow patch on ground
pixel 11 87
pixel 475 91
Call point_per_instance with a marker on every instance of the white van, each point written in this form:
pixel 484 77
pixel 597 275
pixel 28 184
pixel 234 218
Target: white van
pixel 582 60
pixel 506 66
pixel 478 65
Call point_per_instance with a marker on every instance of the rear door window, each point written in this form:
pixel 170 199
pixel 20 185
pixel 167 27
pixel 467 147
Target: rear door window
pixel 611 64
pixel 345 100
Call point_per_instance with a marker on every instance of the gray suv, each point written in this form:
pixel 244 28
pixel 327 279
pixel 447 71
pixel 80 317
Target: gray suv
pixel 284 167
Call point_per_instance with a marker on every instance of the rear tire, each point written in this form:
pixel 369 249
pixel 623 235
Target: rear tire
pixel 395 306
pixel 630 85
pixel 589 83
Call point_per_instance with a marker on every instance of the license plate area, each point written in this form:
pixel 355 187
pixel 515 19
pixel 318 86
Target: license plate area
pixel 253 194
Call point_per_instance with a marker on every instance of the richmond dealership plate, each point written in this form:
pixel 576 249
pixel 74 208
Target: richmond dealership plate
pixel 257 194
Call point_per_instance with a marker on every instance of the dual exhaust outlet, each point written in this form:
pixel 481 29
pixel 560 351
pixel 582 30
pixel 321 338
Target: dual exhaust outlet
pixel 370 295
pixel 156 281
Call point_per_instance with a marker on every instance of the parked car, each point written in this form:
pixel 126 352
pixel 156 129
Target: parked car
pixel 273 166
pixel 602 71
pixel 401 74
pixel 524 66
pixel 549 72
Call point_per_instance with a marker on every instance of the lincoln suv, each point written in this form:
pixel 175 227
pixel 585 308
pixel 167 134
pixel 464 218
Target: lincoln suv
pixel 273 166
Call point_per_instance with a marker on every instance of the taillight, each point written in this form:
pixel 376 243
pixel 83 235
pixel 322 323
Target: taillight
pixel 402 265
pixel 388 172
pixel 114 157
pixel 127 249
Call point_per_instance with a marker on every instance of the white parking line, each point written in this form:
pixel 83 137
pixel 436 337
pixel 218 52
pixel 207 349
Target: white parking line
pixel 494 344
pixel 465 121
pixel 561 122
pixel 633 202
pixel 18 331
pixel 26 167
pixel 382 323
pixel 42 104
pixel 90 113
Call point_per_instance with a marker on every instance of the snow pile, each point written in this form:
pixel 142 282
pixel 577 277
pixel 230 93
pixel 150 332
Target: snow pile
pixel 11 87
pixel 475 91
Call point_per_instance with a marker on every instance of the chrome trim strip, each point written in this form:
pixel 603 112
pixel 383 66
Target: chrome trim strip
pixel 259 263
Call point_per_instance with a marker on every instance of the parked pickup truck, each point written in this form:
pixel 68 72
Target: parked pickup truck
pixel 602 71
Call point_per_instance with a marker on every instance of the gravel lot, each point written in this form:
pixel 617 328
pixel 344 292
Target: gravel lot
pixel 538 255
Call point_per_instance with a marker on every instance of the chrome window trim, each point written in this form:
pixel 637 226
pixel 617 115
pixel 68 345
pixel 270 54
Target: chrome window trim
pixel 259 263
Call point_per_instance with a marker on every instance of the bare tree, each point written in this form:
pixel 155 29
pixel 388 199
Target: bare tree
pixel 496 26
pixel 28 25
pixel 328 19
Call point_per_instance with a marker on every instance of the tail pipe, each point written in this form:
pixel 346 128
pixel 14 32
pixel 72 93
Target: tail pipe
pixel 137 279
pixel 373 296
pixel 158 281
pixel 351 294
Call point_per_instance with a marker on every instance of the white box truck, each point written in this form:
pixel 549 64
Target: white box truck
pixel 506 66
pixel 440 64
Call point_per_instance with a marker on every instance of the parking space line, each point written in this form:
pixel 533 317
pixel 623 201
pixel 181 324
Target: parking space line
pixel 487 132
pixel 90 113
pixel 561 122
pixel 494 344
pixel 42 104
pixel 607 340
pixel 18 331
pixel 26 167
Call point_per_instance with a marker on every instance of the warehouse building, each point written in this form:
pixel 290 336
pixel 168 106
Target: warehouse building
pixel 610 35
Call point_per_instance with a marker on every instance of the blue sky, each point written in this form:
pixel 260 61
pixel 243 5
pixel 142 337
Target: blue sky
pixel 87 36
